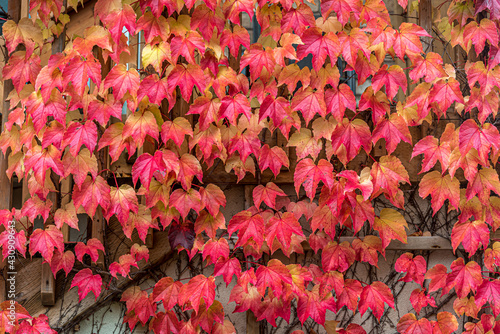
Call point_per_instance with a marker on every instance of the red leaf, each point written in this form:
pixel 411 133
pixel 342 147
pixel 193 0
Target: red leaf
pixel 438 276
pixel 184 201
pixel 249 225
pixel 309 174
pixel 393 130
pixel 348 137
pixel 91 194
pixel 227 268
pixel 91 248
pixel 337 256
pixel 86 282
pixel 319 46
pixel 46 241
pixel 123 81
pixel 198 289
pixel 486 30
pixel 391 225
pixel 123 201
pixel 374 296
pixel 139 303
pixel 408 324
pixel 167 290
pixel 470 234
pixel 274 275
pixel 393 78
pixel 281 227
pixel 63 261
pixel 464 277
pixel 414 267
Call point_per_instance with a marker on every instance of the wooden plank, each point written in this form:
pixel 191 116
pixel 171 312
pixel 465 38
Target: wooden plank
pixel 66 190
pixel 413 244
pixel 14 10
pixel 48 286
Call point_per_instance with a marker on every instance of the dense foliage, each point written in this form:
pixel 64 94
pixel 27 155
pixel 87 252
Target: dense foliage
pixel 238 93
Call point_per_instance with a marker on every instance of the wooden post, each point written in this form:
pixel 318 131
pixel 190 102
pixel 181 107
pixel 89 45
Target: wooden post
pixel 14 10
pixel 425 21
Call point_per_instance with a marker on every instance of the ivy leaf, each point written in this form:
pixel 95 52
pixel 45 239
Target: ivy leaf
pixel 176 130
pixel 408 324
pixel 408 40
pixel 433 152
pixel 350 295
pixel 375 296
pixel 19 242
pixel 24 32
pixel 431 68
pixel 198 289
pixel 489 291
pixel 386 174
pixel 338 100
pixel 267 194
pixel 208 223
pixel 419 299
pixel 438 276
pixel 91 248
pixel 470 234
pixel 181 234
pixel 319 45
pixel 440 188
pixel 348 137
pixel 80 165
pixel 308 174
pixel 486 180
pixel 139 125
pixel 305 144
pixel 482 139
pixel 393 130
pixel 377 102
pixel 91 194
pixel 227 268
pixel 390 225
pixel 137 301
pixel 46 241
pixel 310 103
pixel 464 277
pixel 249 225
pixel 273 158
pixel 87 282
pixel 184 201
pixel 281 227
pixel 486 30
pixel 393 78
pixel 414 267
pixel 167 291
pixel 66 215
pixel 337 256
pixel 63 261
pixel 123 201
pixel 273 275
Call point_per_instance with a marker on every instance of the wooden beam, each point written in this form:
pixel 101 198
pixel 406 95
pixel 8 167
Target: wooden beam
pixel 14 10
pixel 425 21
